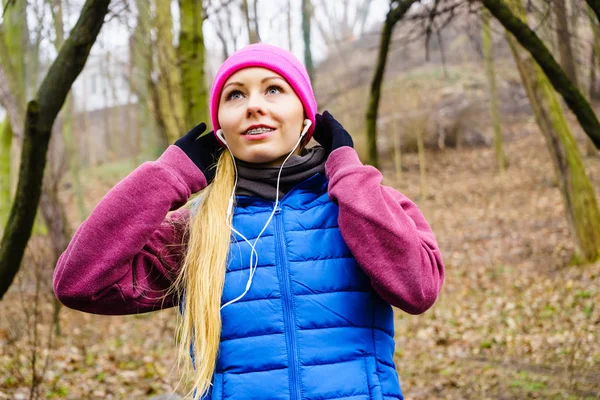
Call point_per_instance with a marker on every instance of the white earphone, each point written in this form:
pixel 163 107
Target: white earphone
pixel 221 136
pixel 307 124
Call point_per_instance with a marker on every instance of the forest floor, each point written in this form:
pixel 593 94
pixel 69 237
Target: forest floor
pixel 514 319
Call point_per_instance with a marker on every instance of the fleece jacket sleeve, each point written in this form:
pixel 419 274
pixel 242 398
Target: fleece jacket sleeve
pixel 386 232
pixel 126 254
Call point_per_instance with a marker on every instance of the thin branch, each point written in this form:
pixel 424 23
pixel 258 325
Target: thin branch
pixel 216 10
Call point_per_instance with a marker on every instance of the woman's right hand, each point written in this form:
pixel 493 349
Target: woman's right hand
pixel 203 150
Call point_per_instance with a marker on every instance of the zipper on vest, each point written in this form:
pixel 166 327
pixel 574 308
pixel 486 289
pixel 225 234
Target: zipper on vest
pixel 286 298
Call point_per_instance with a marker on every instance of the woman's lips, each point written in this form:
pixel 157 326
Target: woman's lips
pixel 259 136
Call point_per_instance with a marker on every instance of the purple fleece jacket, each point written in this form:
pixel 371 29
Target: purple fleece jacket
pixel 127 253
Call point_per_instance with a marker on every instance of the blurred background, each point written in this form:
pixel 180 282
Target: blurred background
pixel 481 111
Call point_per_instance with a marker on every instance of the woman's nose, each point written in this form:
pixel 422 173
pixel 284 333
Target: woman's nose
pixel 255 106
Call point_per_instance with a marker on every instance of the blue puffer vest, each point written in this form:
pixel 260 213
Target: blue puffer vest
pixel 311 326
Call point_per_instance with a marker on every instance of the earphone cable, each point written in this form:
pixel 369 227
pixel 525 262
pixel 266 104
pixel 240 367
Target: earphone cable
pixel 230 210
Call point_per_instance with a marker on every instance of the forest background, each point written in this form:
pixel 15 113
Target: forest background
pixel 484 112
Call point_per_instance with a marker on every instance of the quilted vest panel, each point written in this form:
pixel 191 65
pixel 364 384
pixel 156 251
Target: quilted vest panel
pixel 311 327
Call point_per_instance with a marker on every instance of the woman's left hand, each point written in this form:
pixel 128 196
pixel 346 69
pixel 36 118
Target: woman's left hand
pixel 330 134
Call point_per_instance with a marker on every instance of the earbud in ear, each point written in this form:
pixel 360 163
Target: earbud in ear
pixel 221 136
pixel 307 124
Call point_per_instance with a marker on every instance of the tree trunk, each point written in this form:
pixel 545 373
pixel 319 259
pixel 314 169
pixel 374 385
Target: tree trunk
pixel 289 25
pixel 592 92
pixel 71 148
pixel 250 24
pixel 55 216
pixel 595 6
pixel 576 9
pixel 191 62
pixel 397 150
pixel 16 37
pixel 141 82
pixel 40 116
pixel 10 101
pixel 306 25
pixel 59 230
pixel 393 16
pixel 168 88
pixel 362 13
pixel 13 46
pixel 578 195
pixel 532 43
pixel 422 159
pixel 5 178
pixel 595 54
pixel 488 56
pixel 563 36
pixel 255 19
pixel 546 24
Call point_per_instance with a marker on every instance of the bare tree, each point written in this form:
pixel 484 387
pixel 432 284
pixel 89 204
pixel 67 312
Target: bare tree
pixel 141 83
pixel 251 21
pixel 39 119
pixel 307 11
pixel 10 100
pixel 191 54
pixel 501 158
pixel 229 22
pixel 594 91
pixel 13 53
pixel 168 95
pixel 289 24
pixel 583 215
pixel 557 76
pixel 563 36
pixel 337 27
pixel 398 8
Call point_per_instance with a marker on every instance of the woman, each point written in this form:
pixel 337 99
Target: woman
pixel 286 269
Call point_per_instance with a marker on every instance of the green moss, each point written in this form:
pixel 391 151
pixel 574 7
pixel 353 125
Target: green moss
pixel 527 382
pixel 582 211
pixel 5 178
pixel 548 311
pixel 191 63
pixel 59 392
pixel 584 294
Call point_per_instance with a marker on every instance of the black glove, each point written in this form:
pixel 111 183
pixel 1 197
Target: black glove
pixel 203 150
pixel 330 134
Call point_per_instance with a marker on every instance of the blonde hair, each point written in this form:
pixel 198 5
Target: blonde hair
pixel 201 279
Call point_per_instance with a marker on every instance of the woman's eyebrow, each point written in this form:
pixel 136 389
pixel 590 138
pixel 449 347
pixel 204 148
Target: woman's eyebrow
pixel 233 83
pixel 262 81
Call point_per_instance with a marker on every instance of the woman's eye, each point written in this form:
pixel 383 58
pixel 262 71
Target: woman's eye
pixel 274 90
pixel 235 94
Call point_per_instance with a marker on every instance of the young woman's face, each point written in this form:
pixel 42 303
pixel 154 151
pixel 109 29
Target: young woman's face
pixel 260 115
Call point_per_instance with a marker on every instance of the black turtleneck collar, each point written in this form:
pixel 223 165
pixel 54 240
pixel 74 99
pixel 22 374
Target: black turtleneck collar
pixel 261 181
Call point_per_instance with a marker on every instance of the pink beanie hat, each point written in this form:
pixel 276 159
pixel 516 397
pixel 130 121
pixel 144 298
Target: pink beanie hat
pixel 274 58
